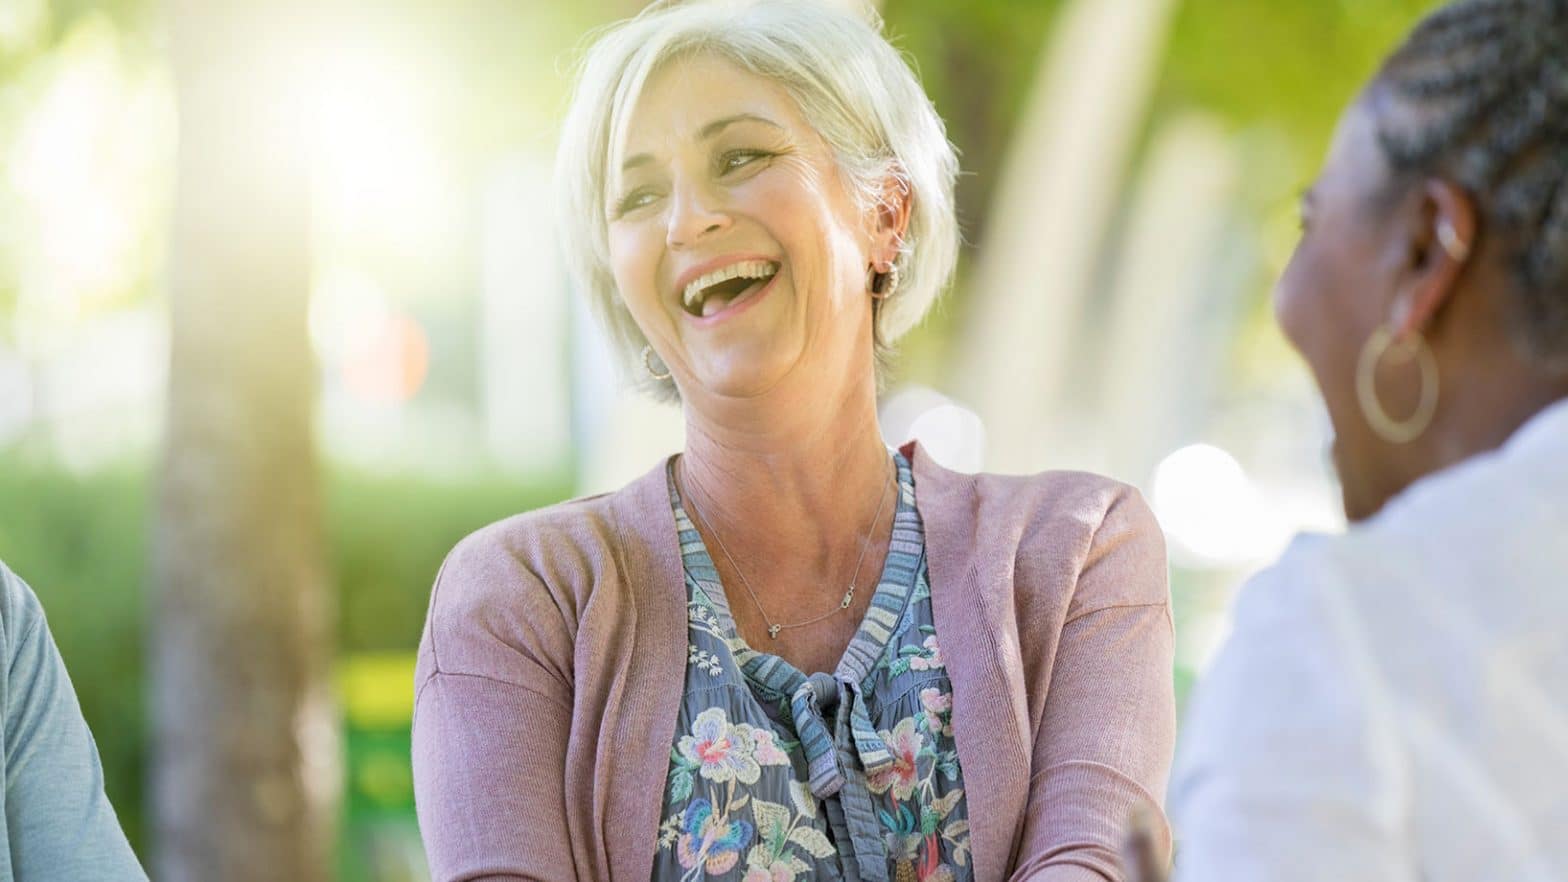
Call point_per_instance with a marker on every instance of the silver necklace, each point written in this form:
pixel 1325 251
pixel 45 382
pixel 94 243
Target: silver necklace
pixel 849 596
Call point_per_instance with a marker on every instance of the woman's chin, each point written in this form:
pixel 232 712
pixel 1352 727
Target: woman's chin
pixel 740 384
pixel 737 376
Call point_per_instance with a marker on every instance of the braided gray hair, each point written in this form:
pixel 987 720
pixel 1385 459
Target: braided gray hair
pixel 1478 94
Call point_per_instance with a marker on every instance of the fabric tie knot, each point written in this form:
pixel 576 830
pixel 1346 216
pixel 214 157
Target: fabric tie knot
pixel 827 742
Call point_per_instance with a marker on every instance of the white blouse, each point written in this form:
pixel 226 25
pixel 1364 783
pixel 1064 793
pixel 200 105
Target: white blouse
pixel 1392 704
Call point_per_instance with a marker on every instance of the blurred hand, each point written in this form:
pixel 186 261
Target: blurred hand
pixel 1140 855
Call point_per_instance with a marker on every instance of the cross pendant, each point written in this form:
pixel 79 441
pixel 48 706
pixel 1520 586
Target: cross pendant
pixel 773 631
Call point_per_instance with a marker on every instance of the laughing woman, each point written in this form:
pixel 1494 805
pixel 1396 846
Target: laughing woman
pixel 788 652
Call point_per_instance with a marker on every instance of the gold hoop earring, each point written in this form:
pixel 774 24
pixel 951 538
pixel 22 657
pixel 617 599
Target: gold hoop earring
pixel 647 363
pixel 889 283
pixel 1389 429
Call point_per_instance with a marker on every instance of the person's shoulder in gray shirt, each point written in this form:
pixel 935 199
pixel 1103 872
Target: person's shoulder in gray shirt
pixel 57 821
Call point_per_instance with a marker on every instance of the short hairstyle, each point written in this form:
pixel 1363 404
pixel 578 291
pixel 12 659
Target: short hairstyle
pixel 850 84
pixel 1478 93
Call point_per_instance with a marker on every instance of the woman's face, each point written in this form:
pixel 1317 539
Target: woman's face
pixel 734 240
pixel 1338 289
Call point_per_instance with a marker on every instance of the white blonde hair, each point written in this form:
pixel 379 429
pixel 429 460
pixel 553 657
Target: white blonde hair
pixel 850 84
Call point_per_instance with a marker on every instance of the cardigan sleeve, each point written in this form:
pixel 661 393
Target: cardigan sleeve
pixel 1103 750
pixel 491 721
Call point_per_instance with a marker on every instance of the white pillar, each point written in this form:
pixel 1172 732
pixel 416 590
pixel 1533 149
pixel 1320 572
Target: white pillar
pixel 523 326
pixel 1058 190
pixel 1173 311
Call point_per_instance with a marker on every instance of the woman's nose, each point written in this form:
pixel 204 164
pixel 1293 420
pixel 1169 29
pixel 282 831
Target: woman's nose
pixel 694 215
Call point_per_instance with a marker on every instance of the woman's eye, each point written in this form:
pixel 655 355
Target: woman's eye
pixel 737 158
pixel 634 200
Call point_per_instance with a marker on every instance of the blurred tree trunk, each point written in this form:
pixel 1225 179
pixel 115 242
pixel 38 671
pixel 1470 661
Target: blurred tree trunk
pixel 245 758
pixel 1036 267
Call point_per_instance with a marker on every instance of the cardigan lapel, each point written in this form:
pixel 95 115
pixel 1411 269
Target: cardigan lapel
pixel 988 719
pixel 655 665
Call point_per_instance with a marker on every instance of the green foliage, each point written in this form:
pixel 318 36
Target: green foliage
pixel 1294 65
pixel 126 13
pixel 82 544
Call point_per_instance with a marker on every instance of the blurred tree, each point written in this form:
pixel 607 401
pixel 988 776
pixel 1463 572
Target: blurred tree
pixel 1284 68
pixel 245 762
pixel 977 62
pixel 1292 65
pixel 1068 152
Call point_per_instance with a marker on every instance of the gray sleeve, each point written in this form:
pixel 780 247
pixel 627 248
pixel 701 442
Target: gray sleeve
pixel 59 822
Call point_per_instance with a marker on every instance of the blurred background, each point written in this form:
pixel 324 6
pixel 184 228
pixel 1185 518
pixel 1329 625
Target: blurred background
pixel 281 319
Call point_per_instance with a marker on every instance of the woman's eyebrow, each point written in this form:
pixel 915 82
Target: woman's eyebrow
pixel 708 131
pixel 635 161
pixel 718 125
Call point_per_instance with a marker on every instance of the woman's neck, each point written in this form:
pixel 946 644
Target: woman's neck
pixel 794 479
pixel 1491 401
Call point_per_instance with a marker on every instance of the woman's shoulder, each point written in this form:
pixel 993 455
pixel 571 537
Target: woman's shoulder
pixel 1295 588
pixel 1054 501
pixel 553 548
pixel 1055 509
pixel 1055 527
pixel 1292 700
pixel 1109 532
pixel 1297 629
pixel 20 610
pixel 1057 498
pixel 540 534
pixel 523 582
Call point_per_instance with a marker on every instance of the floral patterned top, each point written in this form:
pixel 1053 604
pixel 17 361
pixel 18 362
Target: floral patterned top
pixel 778 776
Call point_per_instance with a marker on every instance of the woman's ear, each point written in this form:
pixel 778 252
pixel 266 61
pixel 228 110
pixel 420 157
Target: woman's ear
pixel 1441 240
pixel 890 221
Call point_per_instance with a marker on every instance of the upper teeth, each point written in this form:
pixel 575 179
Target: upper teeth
pixel 746 269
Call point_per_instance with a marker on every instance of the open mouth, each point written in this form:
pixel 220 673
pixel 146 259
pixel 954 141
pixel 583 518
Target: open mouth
pixel 728 285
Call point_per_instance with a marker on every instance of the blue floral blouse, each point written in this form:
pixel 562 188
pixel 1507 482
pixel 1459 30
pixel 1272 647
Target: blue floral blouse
pixel 776 776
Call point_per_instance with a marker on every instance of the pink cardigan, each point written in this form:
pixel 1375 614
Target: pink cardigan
pixel 553 659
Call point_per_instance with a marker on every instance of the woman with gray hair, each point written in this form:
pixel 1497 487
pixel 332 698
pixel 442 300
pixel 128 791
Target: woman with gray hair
pixel 887 670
